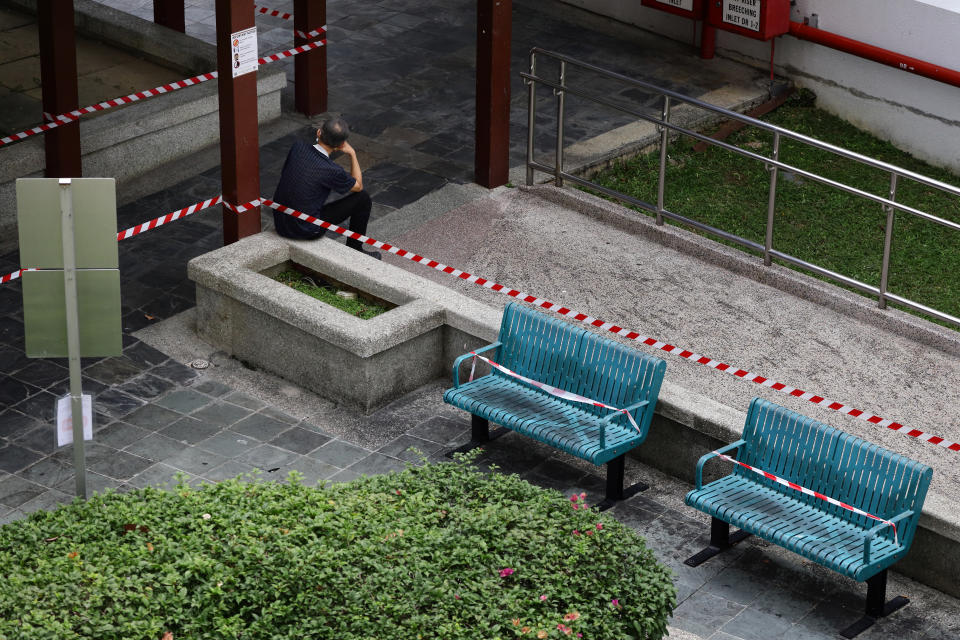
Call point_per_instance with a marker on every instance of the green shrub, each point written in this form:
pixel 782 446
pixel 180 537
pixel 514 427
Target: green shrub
pixel 426 553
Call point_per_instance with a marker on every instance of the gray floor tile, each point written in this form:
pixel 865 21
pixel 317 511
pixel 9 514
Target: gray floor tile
pixel 189 430
pixel 346 475
pixel 12 516
pixel 276 414
pixel 299 440
pixel 244 400
pixel 153 417
pixel 223 414
pixel 313 472
pixel 377 463
pixel 212 388
pixel 229 444
pixel 261 427
pixel 409 448
pixel 112 463
pixel 751 624
pixel 339 453
pixel 14 491
pixel 704 613
pixel 15 458
pixel 184 400
pixel 159 475
pixel 95 483
pixel 47 501
pixel 443 431
pixel 267 457
pixel 736 585
pixel 119 434
pixel 195 461
pixel 155 447
pixel 227 470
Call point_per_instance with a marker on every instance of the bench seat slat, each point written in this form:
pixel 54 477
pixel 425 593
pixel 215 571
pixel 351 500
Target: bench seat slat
pixel 538 415
pixel 823 537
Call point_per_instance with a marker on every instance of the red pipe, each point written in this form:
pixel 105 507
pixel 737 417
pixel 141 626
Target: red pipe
pixel 708 40
pixel 870 52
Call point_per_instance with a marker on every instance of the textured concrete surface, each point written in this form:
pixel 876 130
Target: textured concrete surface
pixel 887 363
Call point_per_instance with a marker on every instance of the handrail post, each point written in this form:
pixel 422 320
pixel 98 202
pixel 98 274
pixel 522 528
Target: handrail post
pixel 531 116
pixel 887 243
pixel 664 132
pixel 561 93
pixel 771 200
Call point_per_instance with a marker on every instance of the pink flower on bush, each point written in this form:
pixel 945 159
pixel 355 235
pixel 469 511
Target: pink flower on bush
pixel 506 572
pixel 576 532
pixel 570 617
pixel 575 507
pixel 589 532
pixel 599 526
pixel 615 602
pixel 543 597
pixel 564 629
pixel 573 498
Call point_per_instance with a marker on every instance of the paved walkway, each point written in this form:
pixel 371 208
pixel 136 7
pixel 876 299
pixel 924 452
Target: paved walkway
pixel 412 110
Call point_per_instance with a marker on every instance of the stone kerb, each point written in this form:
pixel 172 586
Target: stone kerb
pixel 128 141
pixel 361 363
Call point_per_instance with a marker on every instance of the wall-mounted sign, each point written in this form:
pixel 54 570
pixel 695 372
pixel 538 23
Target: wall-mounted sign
pixel 686 5
pixel 243 51
pixel 742 13
pixel 760 19
pixel 687 8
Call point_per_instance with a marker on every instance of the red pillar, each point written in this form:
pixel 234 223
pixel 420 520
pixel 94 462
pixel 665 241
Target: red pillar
pixel 310 68
pixel 239 142
pixel 169 13
pixel 58 73
pixel 492 146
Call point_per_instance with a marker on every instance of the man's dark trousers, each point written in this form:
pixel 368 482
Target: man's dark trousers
pixel 355 206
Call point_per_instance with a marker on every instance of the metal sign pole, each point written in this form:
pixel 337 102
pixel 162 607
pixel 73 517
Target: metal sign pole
pixel 73 334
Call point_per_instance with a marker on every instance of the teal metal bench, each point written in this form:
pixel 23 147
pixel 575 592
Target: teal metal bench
pixel 573 359
pixel 835 464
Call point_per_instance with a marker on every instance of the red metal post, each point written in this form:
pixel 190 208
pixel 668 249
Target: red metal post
pixel 169 13
pixel 310 68
pixel 58 77
pixel 239 141
pixel 492 146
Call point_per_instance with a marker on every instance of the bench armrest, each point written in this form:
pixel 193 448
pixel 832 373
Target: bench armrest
pixel 459 361
pixel 703 459
pixel 612 416
pixel 869 536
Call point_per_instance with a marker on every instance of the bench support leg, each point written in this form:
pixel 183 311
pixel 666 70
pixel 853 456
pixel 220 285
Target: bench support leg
pixel 877 605
pixel 479 429
pixel 479 434
pixel 615 490
pixel 720 540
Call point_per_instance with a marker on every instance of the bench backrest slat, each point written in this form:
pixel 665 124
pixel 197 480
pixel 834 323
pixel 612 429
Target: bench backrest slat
pixel 878 481
pixel 837 464
pixel 789 445
pixel 537 346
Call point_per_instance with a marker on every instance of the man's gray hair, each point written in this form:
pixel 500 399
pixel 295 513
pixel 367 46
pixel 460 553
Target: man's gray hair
pixel 334 132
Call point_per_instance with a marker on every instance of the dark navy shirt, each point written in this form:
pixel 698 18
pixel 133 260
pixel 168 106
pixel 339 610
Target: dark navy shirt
pixel 307 178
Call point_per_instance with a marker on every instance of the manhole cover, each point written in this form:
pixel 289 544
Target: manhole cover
pixel 199 364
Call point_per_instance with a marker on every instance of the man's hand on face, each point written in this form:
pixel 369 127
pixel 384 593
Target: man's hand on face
pixel 347 149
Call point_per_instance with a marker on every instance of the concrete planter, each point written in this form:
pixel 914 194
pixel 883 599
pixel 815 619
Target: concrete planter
pixel 361 363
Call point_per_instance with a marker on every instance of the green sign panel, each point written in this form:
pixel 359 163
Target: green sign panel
pixel 88 208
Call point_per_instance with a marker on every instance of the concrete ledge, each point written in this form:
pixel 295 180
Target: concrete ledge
pixel 362 363
pixel 130 141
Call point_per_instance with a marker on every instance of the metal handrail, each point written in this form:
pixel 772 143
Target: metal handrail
pixel 772 163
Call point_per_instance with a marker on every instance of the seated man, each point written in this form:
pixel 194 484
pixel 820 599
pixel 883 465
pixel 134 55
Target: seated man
pixel 308 177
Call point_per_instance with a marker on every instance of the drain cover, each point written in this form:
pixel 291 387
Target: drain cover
pixel 199 363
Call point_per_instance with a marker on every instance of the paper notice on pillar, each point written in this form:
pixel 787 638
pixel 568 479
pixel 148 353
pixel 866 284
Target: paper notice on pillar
pixel 243 51
pixel 65 419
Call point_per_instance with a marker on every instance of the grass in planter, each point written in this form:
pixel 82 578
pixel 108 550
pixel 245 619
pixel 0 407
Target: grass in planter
pixel 819 224
pixel 358 308
pixel 440 551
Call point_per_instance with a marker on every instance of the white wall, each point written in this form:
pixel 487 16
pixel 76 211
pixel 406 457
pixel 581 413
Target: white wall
pixel 917 114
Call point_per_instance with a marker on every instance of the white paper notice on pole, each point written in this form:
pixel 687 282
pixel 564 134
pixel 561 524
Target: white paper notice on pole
pixel 65 419
pixel 742 13
pixel 243 51
pixel 686 5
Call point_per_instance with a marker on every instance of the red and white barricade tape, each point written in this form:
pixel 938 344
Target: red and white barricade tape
pixel 65 118
pixel 13 276
pixel 273 57
pixel 809 492
pixel 554 391
pixel 626 333
pixel 170 217
pixel 306 35
pixel 54 121
pixel 272 12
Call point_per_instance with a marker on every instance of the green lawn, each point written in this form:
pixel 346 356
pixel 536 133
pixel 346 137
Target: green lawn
pixel 814 222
